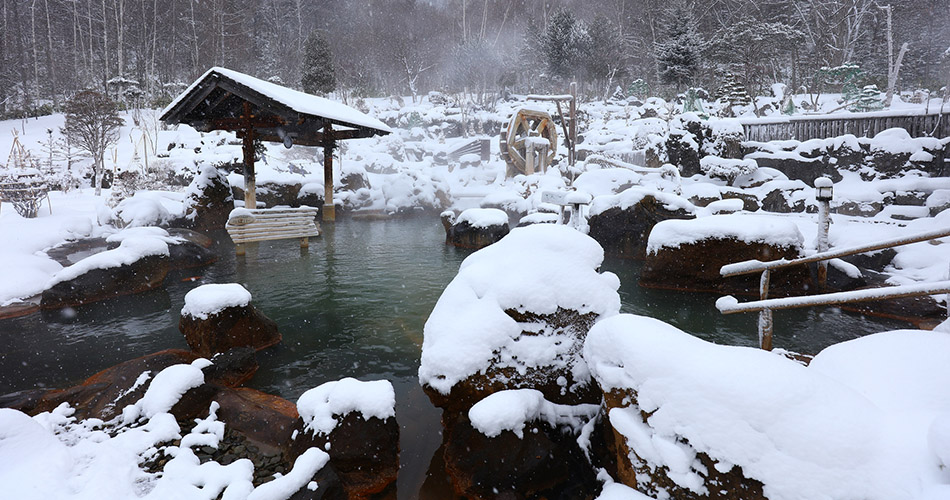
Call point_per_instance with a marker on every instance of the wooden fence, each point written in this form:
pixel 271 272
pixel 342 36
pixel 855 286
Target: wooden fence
pixel 803 128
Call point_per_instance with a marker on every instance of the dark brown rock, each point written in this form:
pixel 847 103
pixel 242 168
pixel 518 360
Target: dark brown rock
pixel 636 473
pixel 464 235
pixel 624 233
pixel 210 202
pixel 567 323
pixel 232 368
pixel 781 201
pixel 190 253
pixel 100 284
pixel 266 421
pixel 695 267
pixel 544 463
pixel 750 202
pixel 104 394
pixel 229 328
pixel 363 452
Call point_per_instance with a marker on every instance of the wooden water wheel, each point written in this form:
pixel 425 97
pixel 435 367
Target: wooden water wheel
pixel 525 124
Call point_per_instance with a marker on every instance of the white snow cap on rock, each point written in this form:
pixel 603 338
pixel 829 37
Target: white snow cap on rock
pixel 207 300
pixel 861 422
pixel 750 228
pixel 483 217
pixel 130 250
pixel 511 410
pixel 323 406
pixel 538 268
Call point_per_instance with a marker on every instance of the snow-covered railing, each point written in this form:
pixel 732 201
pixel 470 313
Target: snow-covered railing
pixel 729 305
pixel 803 128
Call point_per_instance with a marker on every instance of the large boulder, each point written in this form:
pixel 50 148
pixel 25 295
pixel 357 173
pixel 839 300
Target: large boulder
pixel 138 264
pixel 209 200
pixel 538 460
pixel 190 249
pixel 691 419
pixel 622 223
pixel 355 422
pixel 515 317
pixel 688 254
pixel 219 317
pixel 475 227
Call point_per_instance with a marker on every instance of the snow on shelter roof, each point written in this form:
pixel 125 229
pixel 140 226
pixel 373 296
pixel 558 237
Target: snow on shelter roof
pixel 211 102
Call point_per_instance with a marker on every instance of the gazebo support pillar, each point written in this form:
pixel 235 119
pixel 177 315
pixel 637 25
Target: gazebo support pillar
pixel 250 182
pixel 329 210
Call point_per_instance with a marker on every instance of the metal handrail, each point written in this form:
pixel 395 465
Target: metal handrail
pixel 729 305
pixel 754 266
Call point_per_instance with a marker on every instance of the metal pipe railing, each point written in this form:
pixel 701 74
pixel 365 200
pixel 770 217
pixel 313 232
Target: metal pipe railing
pixel 729 305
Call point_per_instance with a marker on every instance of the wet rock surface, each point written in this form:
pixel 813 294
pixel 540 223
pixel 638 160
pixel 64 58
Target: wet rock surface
pixel 209 203
pixel 626 466
pixel 237 326
pixel 696 267
pixel 462 234
pixel 545 463
pixel 363 452
pixel 624 232
pixel 142 275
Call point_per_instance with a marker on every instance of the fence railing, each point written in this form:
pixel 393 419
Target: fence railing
pixel 803 128
pixel 765 306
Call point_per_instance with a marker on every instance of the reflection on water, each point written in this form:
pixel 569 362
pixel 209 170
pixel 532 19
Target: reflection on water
pixel 352 306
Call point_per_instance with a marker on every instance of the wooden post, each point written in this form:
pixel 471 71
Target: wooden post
pixel 305 242
pixel 329 211
pixel 573 110
pixel 765 315
pixel 250 182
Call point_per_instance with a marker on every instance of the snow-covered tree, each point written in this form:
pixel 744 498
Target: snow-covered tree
pixel 679 53
pixel 868 99
pixel 733 92
pixel 92 124
pixel 565 44
pixel 319 76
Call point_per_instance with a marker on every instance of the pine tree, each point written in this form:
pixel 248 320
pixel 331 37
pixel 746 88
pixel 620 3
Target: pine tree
pixel 318 74
pixel 869 99
pixel 565 43
pixel 733 92
pixel 679 55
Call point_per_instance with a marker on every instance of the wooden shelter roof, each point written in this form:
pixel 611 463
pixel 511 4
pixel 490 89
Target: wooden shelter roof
pixel 221 98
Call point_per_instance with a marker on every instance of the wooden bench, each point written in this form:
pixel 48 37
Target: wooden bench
pixel 262 224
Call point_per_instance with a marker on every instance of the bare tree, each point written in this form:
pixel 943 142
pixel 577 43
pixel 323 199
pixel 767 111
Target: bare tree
pixel 92 124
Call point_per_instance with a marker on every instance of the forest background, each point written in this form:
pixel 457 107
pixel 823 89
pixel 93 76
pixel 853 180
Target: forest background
pixel 144 52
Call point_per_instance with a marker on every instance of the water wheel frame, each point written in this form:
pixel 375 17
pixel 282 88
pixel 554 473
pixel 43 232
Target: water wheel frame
pixel 525 123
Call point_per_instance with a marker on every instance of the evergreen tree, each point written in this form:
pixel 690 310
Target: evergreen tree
pixel 733 92
pixel 318 74
pixel 679 55
pixel 868 99
pixel 565 44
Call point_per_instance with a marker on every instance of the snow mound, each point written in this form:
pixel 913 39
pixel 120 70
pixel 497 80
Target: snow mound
pixel 634 195
pixel 207 300
pixel 838 429
pixel 320 406
pixel 539 269
pixel 511 410
pixel 130 250
pixel 483 217
pixel 749 228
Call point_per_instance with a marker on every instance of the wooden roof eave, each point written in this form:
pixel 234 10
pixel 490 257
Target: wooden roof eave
pixel 304 129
